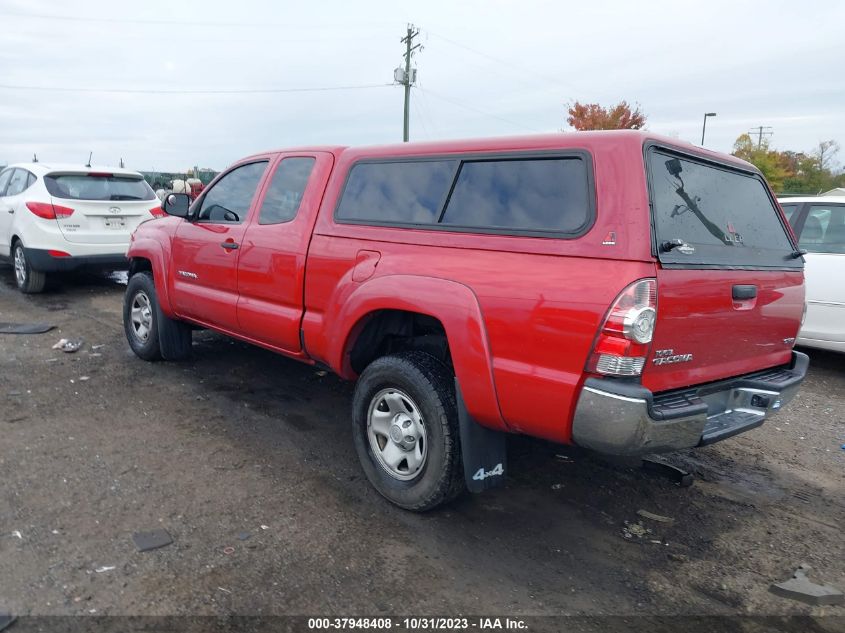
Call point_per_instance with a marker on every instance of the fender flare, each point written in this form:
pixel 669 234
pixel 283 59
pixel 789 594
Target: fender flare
pixel 152 250
pixel 453 304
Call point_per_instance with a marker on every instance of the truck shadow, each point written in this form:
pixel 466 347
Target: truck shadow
pixel 565 528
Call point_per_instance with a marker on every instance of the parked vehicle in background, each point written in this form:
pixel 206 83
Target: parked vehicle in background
pixel 819 223
pixel 65 217
pixel 617 290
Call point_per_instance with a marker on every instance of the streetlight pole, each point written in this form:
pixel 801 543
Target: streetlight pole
pixel 704 125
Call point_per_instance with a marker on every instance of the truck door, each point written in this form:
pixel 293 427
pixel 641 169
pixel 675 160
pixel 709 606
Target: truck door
pixel 271 265
pixel 206 246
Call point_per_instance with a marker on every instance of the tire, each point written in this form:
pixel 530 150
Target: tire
pixel 29 281
pixel 416 392
pixel 152 335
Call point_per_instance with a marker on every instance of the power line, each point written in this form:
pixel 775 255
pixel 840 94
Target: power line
pixel 522 69
pixel 190 92
pixel 181 23
pixel 477 110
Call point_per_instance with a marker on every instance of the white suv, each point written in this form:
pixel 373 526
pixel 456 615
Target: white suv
pixel 65 217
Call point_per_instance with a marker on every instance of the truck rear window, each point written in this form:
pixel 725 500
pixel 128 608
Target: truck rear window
pixel 712 215
pixel 485 195
pixel 85 186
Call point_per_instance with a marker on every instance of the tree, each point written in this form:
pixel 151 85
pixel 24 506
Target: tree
pixel 793 172
pixel 825 152
pixel 774 165
pixel 591 116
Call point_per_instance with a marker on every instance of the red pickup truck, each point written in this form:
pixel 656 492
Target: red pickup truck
pixel 617 290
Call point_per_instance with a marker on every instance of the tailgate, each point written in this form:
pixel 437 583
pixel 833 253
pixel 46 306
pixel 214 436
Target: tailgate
pixel 730 283
pixel 704 334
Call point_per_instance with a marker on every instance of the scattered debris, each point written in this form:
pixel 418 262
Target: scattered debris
pixel 244 536
pixel 25 328
pixel 98 346
pixel 224 590
pixel 321 373
pixel 17 534
pixel 69 346
pixel 146 541
pixel 564 458
pixel 265 527
pixel 681 477
pixel 84 378
pixel 105 568
pixel 6 620
pixel 632 530
pixel 800 588
pixel 557 486
pixel 229 550
pixel 655 517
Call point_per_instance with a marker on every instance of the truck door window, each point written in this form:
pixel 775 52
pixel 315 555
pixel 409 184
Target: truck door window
pixel 228 201
pixel 281 202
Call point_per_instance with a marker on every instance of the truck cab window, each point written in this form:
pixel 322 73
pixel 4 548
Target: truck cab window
pixel 281 202
pixel 229 199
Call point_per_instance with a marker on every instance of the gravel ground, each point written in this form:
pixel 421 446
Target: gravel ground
pixel 246 459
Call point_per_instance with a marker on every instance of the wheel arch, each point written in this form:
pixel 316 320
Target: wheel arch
pixel 148 255
pixel 436 304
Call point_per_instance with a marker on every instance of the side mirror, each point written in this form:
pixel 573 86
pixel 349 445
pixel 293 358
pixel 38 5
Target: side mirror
pixel 177 204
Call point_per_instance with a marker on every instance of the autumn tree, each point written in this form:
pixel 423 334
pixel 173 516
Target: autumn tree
pixel 592 116
pixel 793 172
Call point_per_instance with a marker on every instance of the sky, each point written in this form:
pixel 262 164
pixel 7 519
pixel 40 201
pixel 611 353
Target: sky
pixel 486 68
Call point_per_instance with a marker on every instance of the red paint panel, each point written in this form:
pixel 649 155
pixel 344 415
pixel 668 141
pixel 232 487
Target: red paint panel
pixel 697 315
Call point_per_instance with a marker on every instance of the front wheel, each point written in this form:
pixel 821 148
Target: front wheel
pixel 405 428
pixel 151 334
pixel 29 281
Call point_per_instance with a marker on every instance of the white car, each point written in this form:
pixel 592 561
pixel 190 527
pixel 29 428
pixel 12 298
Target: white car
pixel 819 222
pixel 65 217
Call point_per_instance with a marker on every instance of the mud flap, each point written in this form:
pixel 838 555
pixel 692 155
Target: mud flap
pixel 483 450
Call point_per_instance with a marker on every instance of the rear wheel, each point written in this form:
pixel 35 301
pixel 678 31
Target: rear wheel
pixel 405 428
pixel 29 281
pixel 151 334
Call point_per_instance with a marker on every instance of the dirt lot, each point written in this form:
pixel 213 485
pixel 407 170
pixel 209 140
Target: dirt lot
pixel 98 444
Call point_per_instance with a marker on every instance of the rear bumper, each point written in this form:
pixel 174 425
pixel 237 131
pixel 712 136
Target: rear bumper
pixel 41 260
pixel 627 419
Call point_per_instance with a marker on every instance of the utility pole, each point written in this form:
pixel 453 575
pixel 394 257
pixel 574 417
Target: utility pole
pixel 407 77
pixel 761 131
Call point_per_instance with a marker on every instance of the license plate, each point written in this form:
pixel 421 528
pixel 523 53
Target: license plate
pixel 115 223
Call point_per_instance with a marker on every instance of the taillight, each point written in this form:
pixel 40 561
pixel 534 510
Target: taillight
pixel 157 212
pixel 49 211
pixel 624 340
pixel 58 254
pixel 62 212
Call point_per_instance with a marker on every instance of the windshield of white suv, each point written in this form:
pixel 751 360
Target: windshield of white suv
pixel 93 186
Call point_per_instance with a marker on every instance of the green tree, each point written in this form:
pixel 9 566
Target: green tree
pixel 775 166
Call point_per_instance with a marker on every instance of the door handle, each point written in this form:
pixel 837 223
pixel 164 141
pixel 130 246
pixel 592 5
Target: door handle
pixel 229 245
pixel 740 292
pixel 10 210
